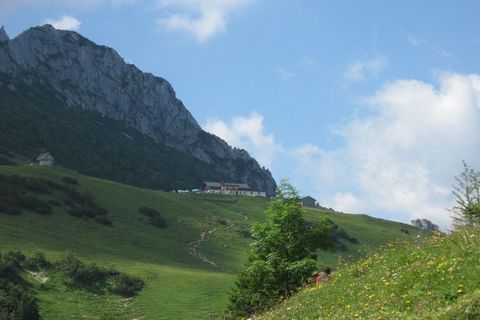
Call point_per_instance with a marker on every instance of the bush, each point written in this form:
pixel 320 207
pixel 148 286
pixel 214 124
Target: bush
pixel 154 216
pixel 79 274
pixel 104 220
pixel 149 212
pixel 54 203
pixel 70 180
pixel 8 207
pixel 158 221
pixel 38 261
pixel 6 162
pixel 15 300
pixel 17 303
pixel 125 285
pixel 34 204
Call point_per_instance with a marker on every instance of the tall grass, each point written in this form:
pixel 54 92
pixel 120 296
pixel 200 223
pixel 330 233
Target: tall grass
pixel 436 278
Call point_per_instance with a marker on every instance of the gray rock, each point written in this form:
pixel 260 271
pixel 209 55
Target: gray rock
pixel 93 77
pixel 3 35
pixel 425 224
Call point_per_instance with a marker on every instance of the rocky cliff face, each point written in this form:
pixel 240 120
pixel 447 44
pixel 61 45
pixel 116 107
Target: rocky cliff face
pixel 92 77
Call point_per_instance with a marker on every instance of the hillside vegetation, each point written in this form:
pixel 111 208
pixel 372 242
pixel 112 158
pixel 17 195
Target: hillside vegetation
pixel 188 263
pixel 436 278
pixel 32 119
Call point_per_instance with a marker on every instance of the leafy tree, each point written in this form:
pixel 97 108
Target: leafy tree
pixel 466 211
pixel 282 256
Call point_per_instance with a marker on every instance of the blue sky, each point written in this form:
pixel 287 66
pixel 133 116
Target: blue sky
pixel 369 106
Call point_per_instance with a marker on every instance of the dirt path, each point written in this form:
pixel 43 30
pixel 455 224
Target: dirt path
pixel 193 246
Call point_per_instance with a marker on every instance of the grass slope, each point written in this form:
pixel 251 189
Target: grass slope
pixel 187 267
pixel 436 278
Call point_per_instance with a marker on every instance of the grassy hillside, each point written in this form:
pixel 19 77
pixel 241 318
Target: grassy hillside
pixel 187 267
pixel 436 278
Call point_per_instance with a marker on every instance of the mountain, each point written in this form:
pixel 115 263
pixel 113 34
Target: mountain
pixel 55 67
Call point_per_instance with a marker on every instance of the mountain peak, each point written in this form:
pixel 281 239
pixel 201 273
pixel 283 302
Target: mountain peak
pixel 96 78
pixel 3 35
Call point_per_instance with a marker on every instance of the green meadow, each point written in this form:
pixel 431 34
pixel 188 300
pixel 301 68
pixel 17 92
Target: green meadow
pixel 433 278
pixel 188 266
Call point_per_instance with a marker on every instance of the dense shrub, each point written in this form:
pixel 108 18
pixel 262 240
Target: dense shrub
pixel 81 273
pixel 70 180
pixel 34 204
pixel 7 206
pixel 154 217
pixel 6 162
pixel 38 261
pixel 149 212
pixel 15 300
pixel 18 193
pixel 158 221
pixel 104 220
pixel 125 285
pixel 54 203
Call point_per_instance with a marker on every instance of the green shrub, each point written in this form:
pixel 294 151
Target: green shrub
pixel 70 180
pixel 16 303
pixel 34 204
pixel 6 162
pixel 81 274
pixel 9 207
pixel 125 285
pixel 149 212
pixel 154 217
pixel 38 261
pixel 158 221
pixel 104 220
pixel 15 300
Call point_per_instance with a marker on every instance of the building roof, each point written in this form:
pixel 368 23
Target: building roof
pixel 239 185
pixel 212 184
pixel 45 156
pixel 309 198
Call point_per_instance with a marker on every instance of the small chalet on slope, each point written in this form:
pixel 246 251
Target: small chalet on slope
pixel 232 189
pixel 45 159
pixel 308 202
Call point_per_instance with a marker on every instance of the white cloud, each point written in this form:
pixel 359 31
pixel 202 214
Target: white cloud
pixel 64 23
pixel 402 157
pixel 285 74
pixel 247 133
pixel 360 70
pixel 201 18
pixel 415 41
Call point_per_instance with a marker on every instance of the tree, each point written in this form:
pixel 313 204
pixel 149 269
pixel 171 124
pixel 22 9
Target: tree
pixel 466 211
pixel 282 256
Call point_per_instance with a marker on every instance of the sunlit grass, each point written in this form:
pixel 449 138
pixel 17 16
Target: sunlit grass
pixel 436 278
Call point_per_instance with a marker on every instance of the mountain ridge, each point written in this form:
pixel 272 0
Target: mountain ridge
pixel 92 77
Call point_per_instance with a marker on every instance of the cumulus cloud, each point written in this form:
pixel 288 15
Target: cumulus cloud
pixel 64 23
pixel 247 133
pixel 360 70
pixel 201 18
pixel 402 157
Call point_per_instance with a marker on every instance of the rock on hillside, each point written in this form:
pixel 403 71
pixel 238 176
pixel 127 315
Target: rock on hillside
pixel 92 77
pixel 425 224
